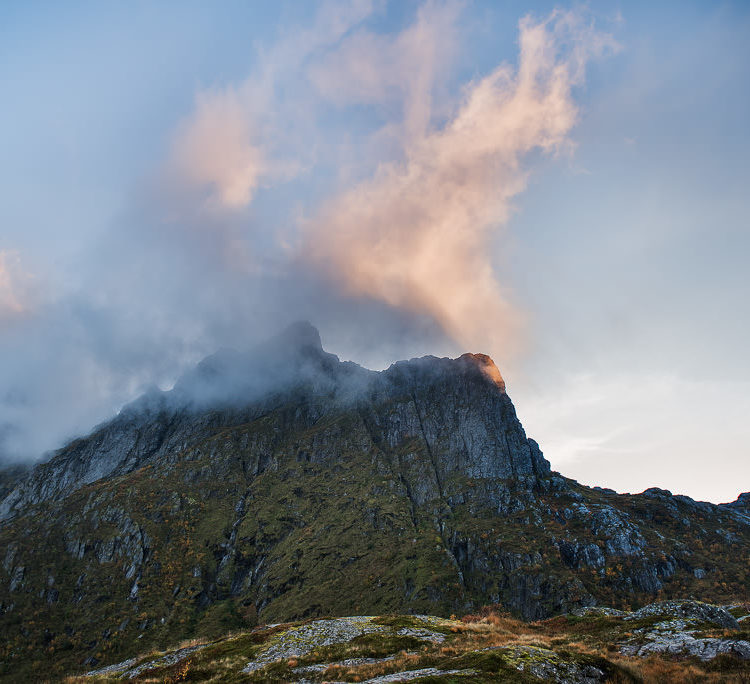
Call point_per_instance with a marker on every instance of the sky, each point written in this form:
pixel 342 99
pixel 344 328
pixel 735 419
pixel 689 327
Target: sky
pixel 562 186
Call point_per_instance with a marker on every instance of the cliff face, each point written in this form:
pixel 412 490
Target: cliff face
pixel 457 408
pixel 285 484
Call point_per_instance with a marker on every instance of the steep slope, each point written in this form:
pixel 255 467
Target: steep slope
pixel 283 484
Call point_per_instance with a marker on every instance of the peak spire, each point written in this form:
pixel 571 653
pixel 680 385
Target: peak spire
pixel 300 334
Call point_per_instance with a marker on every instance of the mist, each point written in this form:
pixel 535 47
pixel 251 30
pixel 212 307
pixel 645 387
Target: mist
pixel 376 262
pixel 411 179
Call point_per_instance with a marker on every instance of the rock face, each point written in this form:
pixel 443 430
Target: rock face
pixel 471 429
pixel 282 483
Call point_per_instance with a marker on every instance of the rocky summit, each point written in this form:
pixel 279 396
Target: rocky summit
pixel 281 484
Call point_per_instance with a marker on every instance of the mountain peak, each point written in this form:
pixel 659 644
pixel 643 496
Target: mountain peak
pixel 298 335
pixel 487 366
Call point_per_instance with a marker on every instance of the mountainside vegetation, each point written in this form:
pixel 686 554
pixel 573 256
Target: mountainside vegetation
pixel 283 485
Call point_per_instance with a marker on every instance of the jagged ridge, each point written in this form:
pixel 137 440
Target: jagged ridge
pixel 231 388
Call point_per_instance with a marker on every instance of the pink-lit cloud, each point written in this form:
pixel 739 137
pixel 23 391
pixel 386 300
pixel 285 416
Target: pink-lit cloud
pixel 418 234
pixel 217 149
pixel 224 149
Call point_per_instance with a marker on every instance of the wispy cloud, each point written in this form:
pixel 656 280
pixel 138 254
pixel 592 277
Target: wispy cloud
pixel 229 144
pixel 392 71
pixel 217 151
pixel 614 427
pixel 418 234
pixel 14 285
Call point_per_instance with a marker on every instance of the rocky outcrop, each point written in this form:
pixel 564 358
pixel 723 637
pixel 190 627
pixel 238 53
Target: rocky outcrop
pixel 10 476
pixel 697 612
pixel 676 638
pixel 682 631
pixel 281 649
pixel 464 416
pixel 412 647
pixel 741 505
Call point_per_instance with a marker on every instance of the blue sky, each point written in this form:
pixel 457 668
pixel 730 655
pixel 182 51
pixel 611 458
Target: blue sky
pixel 182 176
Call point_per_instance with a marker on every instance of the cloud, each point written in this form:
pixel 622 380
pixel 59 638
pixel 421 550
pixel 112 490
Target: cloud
pixel 217 149
pixel 418 234
pixel 368 68
pixel 225 148
pixel 14 285
pixel 383 266
pixel 643 428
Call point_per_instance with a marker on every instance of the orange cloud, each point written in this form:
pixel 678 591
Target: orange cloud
pixel 418 234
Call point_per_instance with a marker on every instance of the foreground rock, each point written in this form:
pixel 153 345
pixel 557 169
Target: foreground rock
pixel 276 655
pixel 300 641
pixel 572 650
pixel 684 628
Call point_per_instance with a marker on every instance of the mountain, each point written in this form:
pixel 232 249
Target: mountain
pixel 281 483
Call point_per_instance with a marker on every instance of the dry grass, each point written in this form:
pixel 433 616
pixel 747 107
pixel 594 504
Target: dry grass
pixel 596 638
pixel 655 670
pixel 187 643
pixel 403 661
